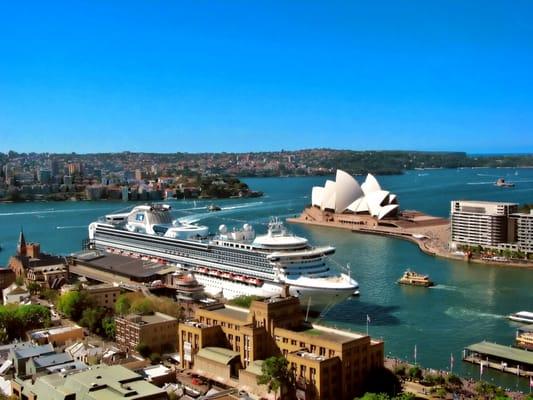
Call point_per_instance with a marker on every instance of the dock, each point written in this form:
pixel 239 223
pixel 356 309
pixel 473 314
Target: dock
pixel 502 358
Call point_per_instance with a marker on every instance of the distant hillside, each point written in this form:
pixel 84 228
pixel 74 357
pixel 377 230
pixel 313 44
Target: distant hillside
pixel 278 163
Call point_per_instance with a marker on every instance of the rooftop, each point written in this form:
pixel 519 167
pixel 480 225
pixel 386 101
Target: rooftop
pixel 33 351
pixel 100 382
pixel 504 352
pixel 330 334
pixel 44 333
pixel 234 313
pixel 121 265
pixel 218 354
pixel 150 319
pixel 52 359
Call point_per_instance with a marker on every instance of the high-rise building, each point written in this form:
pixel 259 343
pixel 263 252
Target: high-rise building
pixel 481 223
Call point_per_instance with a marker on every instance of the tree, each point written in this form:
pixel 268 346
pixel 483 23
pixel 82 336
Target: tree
pixel 414 372
pixel 109 328
pixel 274 374
pixel 375 396
pixel 73 303
pixel 143 349
pixel 142 306
pixel 15 320
pixel 454 381
pixel 122 305
pixel 33 287
pixel 92 318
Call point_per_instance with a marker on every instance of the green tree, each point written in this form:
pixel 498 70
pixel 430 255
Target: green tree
pixel 414 372
pixel 142 306
pixel 92 319
pixel 122 305
pixel 15 320
pixel 109 328
pixel 33 287
pixel 143 349
pixel 454 381
pixel 374 396
pixel 73 303
pixel 274 374
pixel 405 396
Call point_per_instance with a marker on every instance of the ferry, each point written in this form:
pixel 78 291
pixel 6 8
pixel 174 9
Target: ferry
pixel 522 316
pixel 232 262
pixel 414 279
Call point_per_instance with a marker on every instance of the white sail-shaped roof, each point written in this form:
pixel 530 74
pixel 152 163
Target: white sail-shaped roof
pixel 347 191
pixel 376 200
pixel 328 196
pixel 388 209
pixel 370 185
pixel 345 194
pixel 316 195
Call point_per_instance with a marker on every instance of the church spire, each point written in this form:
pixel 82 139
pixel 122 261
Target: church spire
pixel 21 246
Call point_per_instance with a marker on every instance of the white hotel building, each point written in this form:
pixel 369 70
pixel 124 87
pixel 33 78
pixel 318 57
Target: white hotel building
pixel 490 224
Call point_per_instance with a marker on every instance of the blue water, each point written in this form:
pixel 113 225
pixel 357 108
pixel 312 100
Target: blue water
pixel 468 305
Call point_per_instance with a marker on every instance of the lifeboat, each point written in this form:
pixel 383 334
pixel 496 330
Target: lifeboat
pixel 202 270
pixel 226 275
pixel 239 278
pixel 254 281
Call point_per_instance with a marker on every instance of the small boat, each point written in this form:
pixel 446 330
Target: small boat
pixel 414 279
pixel 522 316
pixel 501 183
pixel 213 207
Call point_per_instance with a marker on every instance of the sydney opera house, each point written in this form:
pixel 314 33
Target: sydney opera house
pixel 366 207
pixel 345 195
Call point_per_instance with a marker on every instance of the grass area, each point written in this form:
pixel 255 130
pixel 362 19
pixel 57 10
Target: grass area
pixel 244 301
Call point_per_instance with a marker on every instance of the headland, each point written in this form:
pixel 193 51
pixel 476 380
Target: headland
pixel 367 208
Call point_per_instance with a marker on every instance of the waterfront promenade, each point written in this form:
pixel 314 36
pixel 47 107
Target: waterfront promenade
pixel 430 234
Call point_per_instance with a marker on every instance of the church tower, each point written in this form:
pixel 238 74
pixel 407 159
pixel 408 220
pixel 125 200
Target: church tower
pixel 21 246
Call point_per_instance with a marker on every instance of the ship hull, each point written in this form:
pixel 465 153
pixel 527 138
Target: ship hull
pixel 318 298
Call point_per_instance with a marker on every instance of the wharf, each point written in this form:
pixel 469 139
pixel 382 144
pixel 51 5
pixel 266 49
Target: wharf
pixel 499 357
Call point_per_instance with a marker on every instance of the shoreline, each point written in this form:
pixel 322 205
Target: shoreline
pixel 423 243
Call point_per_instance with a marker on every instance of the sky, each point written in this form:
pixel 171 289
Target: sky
pixel 229 75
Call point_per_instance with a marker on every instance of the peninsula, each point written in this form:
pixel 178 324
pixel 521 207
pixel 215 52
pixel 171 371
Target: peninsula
pixel 367 208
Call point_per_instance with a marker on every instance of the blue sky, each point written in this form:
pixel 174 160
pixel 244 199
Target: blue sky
pixel 94 76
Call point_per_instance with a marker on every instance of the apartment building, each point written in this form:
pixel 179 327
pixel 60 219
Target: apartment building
pixel 524 231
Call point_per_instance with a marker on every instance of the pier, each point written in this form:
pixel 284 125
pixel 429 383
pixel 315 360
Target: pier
pixel 502 358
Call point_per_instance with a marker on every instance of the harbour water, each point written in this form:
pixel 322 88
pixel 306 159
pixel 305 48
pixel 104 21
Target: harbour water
pixel 468 304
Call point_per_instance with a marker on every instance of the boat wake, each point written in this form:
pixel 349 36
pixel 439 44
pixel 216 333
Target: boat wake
pixel 460 313
pixel 445 287
pixel 41 212
pixel 72 227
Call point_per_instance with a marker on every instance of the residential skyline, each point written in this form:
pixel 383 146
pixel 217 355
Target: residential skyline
pixel 212 77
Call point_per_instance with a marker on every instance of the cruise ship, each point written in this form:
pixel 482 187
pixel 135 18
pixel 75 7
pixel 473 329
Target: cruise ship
pixel 229 263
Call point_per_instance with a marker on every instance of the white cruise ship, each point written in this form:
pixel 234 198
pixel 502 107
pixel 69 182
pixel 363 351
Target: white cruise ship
pixel 229 263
